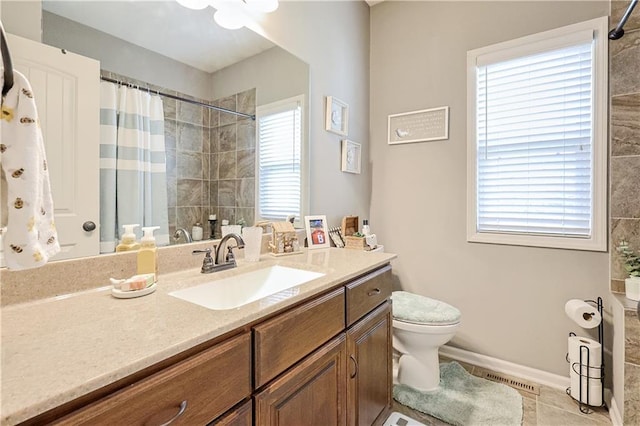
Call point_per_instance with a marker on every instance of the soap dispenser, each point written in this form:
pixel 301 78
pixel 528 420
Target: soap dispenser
pixel 148 253
pixel 366 231
pixel 128 242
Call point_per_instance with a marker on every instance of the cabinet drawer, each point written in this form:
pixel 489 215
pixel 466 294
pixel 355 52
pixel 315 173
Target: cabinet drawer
pixel 203 387
pixel 284 340
pixel 367 292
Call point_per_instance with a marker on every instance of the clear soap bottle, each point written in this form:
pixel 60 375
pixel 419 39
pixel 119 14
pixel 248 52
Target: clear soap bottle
pixel 148 253
pixel 365 227
pixel 128 242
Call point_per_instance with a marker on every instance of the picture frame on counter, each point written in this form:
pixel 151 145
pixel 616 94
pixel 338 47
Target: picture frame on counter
pixel 351 156
pixel 317 231
pixel 337 116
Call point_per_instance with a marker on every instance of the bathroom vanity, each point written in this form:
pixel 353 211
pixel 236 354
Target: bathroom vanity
pixel 319 353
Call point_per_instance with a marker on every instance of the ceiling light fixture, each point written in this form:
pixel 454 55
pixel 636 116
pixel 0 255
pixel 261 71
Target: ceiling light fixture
pixel 232 14
pixel 194 4
pixel 229 19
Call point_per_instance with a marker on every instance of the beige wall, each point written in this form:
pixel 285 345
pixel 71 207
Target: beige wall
pixel 23 18
pixel 512 298
pixel 275 74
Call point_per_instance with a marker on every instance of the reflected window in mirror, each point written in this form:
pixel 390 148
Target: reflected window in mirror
pixel 279 145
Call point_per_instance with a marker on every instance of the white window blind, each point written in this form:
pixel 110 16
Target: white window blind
pixel 537 139
pixel 534 143
pixel 279 160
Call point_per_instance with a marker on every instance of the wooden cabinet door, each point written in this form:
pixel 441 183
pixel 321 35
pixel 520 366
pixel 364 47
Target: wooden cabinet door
pixel 311 393
pixel 369 368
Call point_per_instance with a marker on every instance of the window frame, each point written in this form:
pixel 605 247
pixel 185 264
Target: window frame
pixel 527 45
pixel 304 155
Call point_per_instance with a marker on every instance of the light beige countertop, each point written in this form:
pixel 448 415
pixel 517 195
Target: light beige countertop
pixel 57 349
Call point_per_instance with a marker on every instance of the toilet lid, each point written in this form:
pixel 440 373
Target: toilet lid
pixel 419 309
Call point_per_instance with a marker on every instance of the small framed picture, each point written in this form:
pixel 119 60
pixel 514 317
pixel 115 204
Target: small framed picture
pixel 317 233
pixel 337 116
pixel 351 156
pixel 418 126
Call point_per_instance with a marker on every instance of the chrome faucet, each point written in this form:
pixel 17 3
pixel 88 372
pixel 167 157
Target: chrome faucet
pixel 184 232
pixel 216 263
pixel 229 260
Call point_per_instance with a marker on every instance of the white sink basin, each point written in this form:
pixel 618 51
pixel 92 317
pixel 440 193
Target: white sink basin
pixel 238 290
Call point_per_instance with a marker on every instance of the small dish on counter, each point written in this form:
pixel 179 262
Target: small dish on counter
pixel 133 293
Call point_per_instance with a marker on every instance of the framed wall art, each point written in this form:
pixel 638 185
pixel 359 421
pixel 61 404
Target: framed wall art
pixel 418 126
pixel 351 156
pixel 337 116
pixel 317 231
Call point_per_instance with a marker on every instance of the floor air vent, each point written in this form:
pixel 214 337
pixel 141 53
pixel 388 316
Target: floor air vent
pixel 513 382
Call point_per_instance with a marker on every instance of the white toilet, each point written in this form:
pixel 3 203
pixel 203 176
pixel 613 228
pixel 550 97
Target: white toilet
pixel 420 326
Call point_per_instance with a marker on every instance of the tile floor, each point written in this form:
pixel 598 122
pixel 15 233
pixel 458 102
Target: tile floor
pixel 552 407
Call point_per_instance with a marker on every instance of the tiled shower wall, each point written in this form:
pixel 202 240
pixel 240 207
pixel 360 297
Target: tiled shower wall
pixel 233 163
pixel 210 159
pixel 624 78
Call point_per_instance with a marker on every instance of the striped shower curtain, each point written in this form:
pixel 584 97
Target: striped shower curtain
pixel 133 179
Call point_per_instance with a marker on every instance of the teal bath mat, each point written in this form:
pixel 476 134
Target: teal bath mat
pixel 464 400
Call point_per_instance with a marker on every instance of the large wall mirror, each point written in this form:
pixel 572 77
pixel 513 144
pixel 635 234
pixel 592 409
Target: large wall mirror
pixel 210 155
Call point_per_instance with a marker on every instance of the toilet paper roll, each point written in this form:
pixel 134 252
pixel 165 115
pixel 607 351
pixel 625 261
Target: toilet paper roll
pixel 582 313
pixel 580 394
pixel 588 372
pixel 591 354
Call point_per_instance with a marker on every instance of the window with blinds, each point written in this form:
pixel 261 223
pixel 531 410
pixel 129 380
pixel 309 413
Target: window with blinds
pixel 279 188
pixel 537 136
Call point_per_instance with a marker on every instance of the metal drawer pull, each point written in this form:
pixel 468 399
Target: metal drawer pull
pixel 374 292
pixel 355 363
pixel 183 408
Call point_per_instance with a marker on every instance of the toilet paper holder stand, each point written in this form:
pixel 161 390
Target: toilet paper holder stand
pixel 583 364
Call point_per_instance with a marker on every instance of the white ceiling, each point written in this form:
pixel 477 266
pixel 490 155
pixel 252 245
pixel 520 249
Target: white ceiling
pixel 165 27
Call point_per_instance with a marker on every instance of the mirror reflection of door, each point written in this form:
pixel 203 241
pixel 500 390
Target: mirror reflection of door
pixel 68 121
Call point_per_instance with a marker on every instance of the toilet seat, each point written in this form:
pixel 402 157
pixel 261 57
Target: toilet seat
pixel 425 328
pixel 414 309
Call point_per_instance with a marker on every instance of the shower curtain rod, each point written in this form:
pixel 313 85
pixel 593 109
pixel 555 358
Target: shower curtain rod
pixel 618 31
pixel 167 95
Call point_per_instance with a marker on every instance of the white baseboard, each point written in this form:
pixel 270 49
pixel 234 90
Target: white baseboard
pixel 500 366
pixel 614 413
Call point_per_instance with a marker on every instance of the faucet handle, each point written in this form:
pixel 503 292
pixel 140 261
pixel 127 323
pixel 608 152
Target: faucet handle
pixel 230 256
pixel 207 250
pixel 207 262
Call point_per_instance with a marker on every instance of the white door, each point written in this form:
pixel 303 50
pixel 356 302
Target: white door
pixel 66 88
